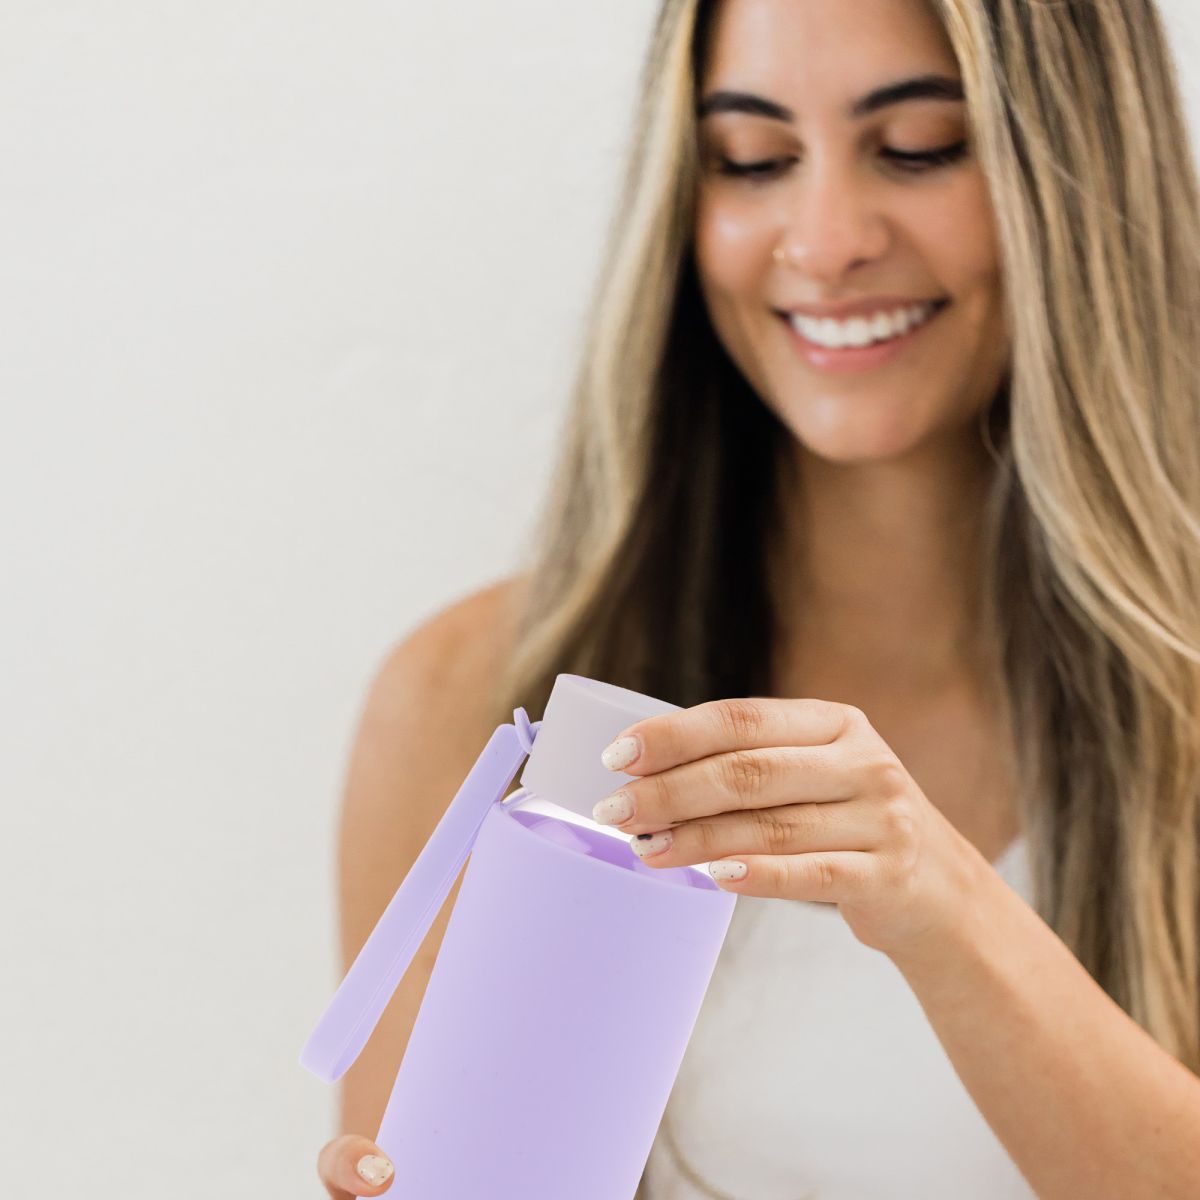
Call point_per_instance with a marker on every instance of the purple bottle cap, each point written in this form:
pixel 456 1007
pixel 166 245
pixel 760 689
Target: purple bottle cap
pixel 564 776
pixel 582 716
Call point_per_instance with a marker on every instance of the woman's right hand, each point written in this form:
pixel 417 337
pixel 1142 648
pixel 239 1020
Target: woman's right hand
pixel 344 1172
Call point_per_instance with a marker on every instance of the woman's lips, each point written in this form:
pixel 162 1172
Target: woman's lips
pixel 858 358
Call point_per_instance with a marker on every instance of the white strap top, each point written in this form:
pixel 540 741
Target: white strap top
pixel 813 1074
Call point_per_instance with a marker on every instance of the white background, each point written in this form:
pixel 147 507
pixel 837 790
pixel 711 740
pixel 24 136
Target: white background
pixel 290 297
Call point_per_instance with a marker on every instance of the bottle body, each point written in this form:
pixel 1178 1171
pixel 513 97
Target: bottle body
pixel 567 986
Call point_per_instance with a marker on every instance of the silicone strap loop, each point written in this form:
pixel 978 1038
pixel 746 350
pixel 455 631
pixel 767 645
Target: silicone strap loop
pixel 359 1002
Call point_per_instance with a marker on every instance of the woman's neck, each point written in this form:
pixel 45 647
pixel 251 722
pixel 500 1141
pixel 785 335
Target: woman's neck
pixel 876 571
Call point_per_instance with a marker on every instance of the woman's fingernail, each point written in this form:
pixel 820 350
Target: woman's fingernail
pixel 374 1169
pixel 646 844
pixel 621 752
pixel 727 869
pixel 613 810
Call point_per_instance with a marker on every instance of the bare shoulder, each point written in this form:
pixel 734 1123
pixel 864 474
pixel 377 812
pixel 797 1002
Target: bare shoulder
pixel 445 663
pixel 427 714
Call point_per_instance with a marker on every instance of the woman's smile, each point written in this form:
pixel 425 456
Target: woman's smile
pixel 825 355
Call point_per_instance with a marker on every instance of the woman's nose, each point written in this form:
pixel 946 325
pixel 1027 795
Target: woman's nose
pixel 831 221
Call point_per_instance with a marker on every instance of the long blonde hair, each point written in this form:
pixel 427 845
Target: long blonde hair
pixel 649 568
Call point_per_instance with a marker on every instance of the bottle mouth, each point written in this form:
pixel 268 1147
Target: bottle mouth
pixel 527 801
pixel 582 836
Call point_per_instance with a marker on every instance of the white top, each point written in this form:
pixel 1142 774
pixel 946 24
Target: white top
pixel 813 1074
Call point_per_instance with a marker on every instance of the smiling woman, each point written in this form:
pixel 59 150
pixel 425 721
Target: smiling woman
pixel 889 399
pixel 859 204
pixel 978 522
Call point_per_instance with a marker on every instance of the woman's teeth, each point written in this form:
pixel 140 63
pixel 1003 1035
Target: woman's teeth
pixel 862 331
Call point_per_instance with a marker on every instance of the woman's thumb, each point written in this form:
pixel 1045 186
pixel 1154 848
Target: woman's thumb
pixel 375 1168
pixel 352 1165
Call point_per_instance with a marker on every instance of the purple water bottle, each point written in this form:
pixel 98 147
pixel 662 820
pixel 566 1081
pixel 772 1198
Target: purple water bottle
pixel 566 986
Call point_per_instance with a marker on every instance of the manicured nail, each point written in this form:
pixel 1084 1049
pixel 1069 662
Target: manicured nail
pixel 728 869
pixel 613 810
pixel 646 844
pixel 621 753
pixel 374 1169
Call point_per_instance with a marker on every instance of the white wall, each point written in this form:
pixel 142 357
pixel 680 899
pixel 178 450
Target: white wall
pixel 289 300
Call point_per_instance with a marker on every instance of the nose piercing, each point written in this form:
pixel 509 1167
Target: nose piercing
pixel 779 255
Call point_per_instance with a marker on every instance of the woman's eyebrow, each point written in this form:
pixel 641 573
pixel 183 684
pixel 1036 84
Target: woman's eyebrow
pixel 920 87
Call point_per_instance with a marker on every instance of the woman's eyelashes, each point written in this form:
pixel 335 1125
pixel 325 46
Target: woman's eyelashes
pixel 914 162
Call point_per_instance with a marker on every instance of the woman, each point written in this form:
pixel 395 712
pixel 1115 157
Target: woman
pixel 929 604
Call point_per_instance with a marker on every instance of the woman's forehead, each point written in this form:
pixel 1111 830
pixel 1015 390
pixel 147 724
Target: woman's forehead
pixel 823 48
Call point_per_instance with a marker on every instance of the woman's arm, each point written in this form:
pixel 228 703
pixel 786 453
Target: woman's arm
pixel 1086 1103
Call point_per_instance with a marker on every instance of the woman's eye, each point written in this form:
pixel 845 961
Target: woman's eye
pixel 914 162
pixel 754 170
pixel 925 160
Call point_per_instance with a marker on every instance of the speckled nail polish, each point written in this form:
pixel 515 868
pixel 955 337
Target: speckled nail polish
pixel 646 844
pixel 727 870
pixel 621 753
pixel 613 810
pixel 374 1169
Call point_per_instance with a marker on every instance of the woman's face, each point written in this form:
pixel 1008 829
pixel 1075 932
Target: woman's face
pixel 856 223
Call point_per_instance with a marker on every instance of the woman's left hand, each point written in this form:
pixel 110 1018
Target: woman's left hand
pixel 811 799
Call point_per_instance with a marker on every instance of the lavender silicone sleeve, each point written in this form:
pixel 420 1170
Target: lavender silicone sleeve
pixel 555 1020
pixel 566 987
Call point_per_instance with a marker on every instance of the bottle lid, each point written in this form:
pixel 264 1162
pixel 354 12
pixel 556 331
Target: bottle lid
pixel 582 716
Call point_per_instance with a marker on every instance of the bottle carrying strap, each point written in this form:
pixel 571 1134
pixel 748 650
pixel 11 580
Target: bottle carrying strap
pixel 360 1000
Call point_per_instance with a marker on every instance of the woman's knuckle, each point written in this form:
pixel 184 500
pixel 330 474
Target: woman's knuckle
pixel 744 720
pixel 707 837
pixel 745 773
pixel 887 776
pixel 899 818
pixel 853 718
pixel 659 790
pixel 775 831
pixel 826 876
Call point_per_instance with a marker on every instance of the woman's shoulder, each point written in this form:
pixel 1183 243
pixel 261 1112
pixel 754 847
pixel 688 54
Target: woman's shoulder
pixel 478 626
pixel 444 663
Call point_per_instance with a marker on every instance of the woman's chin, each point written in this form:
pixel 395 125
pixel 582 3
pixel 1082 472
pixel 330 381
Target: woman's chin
pixel 832 433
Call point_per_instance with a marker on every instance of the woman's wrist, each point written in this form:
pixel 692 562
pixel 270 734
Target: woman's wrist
pixel 975 897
